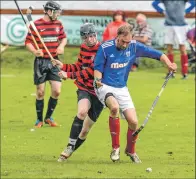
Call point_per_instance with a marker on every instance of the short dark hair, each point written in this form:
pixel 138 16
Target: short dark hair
pixel 125 30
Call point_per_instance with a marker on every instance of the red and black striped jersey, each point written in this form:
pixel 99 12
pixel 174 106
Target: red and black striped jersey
pixel 83 69
pixel 52 33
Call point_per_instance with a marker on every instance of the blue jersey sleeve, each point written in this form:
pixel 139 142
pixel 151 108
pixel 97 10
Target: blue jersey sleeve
pixel 191 7
pixel 145 51
pixel 100 60
pixel 155 4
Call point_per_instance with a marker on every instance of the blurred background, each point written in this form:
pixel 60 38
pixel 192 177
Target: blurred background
pixel 13 30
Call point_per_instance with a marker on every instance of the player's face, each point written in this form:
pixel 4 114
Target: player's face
pixel 54 14
pixel 90 40
pixel 122 42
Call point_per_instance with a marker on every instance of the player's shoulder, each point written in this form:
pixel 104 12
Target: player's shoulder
pixel 108 44
pixel 39 21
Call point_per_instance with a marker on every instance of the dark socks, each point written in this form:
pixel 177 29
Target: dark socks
pixel 79 142
pixel 75 131
pixel 39 109
pixel 51 106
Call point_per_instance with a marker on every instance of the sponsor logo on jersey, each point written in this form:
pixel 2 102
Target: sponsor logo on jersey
pixel 119 65
pixel 50 39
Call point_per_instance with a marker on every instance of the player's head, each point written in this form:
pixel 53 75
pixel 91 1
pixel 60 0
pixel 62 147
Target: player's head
pixel 124 36
pixel 88 34
pixel 52 9
pixel 118 16
pixel 141 20
pixel 191 36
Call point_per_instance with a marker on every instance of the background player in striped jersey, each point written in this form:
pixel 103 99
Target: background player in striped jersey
pixel 111 69
pixel 89 107
pixel 51 30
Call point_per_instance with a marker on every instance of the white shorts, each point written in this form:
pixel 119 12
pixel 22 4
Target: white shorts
pixel 175 35
pixel 121 94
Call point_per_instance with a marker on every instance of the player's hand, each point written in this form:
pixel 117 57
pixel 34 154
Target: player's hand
pixel 57 63
pixel 63 75
pixel 172 67
pixel 39 53
pixel 60 50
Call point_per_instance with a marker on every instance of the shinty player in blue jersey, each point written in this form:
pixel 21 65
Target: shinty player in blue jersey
pixel 111 69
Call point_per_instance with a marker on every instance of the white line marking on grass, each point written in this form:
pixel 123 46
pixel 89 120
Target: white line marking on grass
pixel 7 76
pixel 33 94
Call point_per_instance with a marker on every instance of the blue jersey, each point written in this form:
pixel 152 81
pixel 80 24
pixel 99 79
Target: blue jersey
pixel 115 64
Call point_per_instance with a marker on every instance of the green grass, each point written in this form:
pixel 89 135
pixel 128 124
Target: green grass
pixel 26 154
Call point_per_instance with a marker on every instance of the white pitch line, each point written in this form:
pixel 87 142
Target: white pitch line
pixel 7 76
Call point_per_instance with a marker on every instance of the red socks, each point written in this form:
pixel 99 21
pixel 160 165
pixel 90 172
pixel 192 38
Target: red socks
pixel 171 57
pixel 184 64
pixel 131 141
pixel 114 125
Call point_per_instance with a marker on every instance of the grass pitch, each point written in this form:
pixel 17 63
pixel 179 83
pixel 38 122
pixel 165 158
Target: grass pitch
pixel 167 144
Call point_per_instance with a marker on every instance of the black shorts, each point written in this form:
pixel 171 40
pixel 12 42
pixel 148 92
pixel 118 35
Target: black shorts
pixel 96 105
pixel 45 71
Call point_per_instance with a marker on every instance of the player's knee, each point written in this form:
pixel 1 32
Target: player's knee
pixel 183 51
pixel 170 50
pixel 56 93
pixel 40 94
pixel 133 124
pixel 82 113
pixel 114 110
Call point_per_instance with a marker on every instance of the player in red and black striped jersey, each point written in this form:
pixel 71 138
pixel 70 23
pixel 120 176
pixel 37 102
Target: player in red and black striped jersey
pixel 89 107
pixel 52 33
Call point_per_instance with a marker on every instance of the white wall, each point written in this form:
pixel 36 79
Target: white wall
pixel 85 5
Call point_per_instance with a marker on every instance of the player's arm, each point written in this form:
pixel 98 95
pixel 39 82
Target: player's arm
pixel 31 46
pixel 145 51
pixel 191 7
pixel 84 74
pixel 63 41
pixel 69 67
pixel 156 6
pixel 99 63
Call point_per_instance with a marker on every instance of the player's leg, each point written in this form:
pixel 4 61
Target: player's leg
pixel 181 39
pixel 52 102
pixel 131 117
pixel 87 125
pixel 127 106
pixel 40 89
pixel 114 125
pixel 106 96
pixel 39 81
pixel 84 104
pixel 55 84
pixel 169 41
pixel 93 114
pixel 184 61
